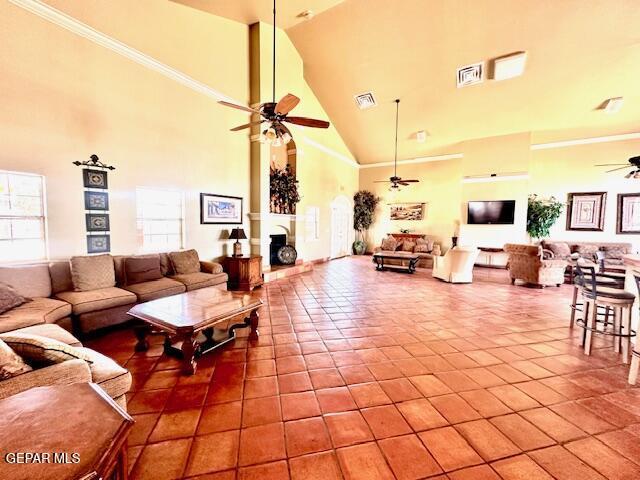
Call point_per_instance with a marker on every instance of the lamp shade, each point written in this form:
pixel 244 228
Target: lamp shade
pixel 237 234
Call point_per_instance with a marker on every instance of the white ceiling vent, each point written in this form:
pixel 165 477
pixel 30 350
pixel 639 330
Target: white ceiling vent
pixel 365 100
pixel 470 74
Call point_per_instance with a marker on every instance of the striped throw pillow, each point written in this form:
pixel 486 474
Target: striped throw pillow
pixel 40 351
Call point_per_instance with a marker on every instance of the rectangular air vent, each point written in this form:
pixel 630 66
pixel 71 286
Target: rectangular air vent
pixel 470 74
pixel 365 100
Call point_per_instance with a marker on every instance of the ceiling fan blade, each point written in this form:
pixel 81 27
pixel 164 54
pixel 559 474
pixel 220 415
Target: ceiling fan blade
pixel 382 181
pixel 238 107
pixel 307 122
pixel 286 104
pixel 410 181
pixel 619 168
pixel 610 164
pixel 246 125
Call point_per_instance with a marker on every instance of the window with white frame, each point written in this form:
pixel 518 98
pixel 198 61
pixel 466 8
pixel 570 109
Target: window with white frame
pixel 22 217
pixel 312 223
pixel 160 219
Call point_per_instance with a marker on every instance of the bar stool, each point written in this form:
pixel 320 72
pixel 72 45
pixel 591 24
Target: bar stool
pixel 601 280
pixel 595 296
pixel 616 272
pixel 635 353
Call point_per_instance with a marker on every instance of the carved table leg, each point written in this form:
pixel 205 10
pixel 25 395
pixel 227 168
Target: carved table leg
pixel 188 355
pixel 253 319
pixel 141 334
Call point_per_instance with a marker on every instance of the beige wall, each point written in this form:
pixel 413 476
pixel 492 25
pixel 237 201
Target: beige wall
pixel 64 98
pixel 551 172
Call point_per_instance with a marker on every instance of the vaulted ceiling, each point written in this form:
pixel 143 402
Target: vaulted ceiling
pixel 579 54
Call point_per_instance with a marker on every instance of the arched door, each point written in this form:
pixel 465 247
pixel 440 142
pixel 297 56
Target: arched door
pixel 341 227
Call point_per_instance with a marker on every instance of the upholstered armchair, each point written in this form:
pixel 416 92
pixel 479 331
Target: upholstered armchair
pixel 455 266
pixel 534 265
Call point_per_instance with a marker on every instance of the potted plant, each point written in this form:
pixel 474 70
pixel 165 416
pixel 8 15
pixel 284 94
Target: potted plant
pixel 283 190
pixel 541 215
pixel 364 206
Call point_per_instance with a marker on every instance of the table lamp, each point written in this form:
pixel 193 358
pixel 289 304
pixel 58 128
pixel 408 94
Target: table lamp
pixel 237 234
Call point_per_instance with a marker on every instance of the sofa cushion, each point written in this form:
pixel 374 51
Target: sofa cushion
pixel 615 252
pixel 586 250
pixel 165 265
pixel 11 364
pixel 389 244
pixel 51 330
pixel 35 312
pixel 163 287
pixel 408 246
pixel 94 300
pixel 111 377
pixel 193 281
pixel 29 280
pixel 92 272
pixel 60 273
pixel 142 269
pixel 9 298
pixel 559 249
pixel 399 244
pixel 41 351
pixel 185 262
pixel 421 248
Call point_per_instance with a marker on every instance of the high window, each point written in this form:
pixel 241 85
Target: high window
pixel 22 217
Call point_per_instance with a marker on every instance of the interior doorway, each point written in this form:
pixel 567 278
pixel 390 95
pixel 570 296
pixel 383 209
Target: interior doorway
pixel 341 226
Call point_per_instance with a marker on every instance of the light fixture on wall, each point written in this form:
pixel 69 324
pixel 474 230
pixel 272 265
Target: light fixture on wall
pixel 275 114
pixel 495 177
pixel 94 162
pixel 395 180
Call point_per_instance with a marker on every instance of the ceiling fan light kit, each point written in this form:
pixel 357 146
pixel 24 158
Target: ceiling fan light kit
pixel 276 133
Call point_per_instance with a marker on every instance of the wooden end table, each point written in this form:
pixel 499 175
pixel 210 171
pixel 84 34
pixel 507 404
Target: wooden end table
pixel 196 322
pixel 63 431
pixel 245 272
pixel 411 259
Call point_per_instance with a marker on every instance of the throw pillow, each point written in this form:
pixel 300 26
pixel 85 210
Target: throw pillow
pixel 408 246
pixel 615 252
pixel 92 272
pixel 41 351
pixel 165 264
pixel 10 362
pixel 586 250
pixel 185 262
pixel 142 269
pixel 421 248
pixel 9 298
pixel 560 250
pixel 389 243
pixel 399 245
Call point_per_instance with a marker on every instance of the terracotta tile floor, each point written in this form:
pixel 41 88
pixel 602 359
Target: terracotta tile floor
pixel 361 374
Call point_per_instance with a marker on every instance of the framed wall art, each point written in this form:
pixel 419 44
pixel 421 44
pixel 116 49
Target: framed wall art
pixel 96 200
pixel 406 211
pixel 585 211
pixel 94 178
pixel 97 222
pixel 628 213
pixel 98 244
pixel 220 209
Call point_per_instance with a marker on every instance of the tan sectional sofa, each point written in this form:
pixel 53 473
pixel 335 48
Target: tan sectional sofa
pixel 613 251
pixel 55 301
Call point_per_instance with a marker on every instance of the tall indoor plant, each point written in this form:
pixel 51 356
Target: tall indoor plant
pixel 542 213
pixel 364 206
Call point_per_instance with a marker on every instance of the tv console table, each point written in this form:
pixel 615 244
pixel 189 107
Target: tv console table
pixel 492 257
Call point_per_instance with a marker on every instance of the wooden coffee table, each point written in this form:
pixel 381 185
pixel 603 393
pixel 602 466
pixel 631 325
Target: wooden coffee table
pixel 411 259
pixel 63 431
pixel 196 322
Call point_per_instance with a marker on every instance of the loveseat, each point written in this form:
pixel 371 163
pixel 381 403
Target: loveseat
pixel 422 245
pixel 534 265
pixel 92 292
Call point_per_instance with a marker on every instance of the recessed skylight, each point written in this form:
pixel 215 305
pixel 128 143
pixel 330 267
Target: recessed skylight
pixel 509 66
pixel 365 100
pixel 470 74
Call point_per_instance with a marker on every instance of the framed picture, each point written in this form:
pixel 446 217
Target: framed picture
pixel 98 244
pixel 96 200
pixel 97 222
pixel 220 209
pixel 94 178
pixel 628 213
pixel 585 211
pixel 407 211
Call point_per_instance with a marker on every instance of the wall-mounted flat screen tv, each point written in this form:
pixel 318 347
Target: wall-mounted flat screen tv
pixel 494 212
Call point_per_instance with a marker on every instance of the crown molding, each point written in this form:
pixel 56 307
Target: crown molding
pixel 71 24
pixel 586 141
pixel 329 151
pixel 433 158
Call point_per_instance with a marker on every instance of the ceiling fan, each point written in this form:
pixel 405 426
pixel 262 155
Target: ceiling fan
pixel 633 162
pixel 274 113
pixel 395 180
